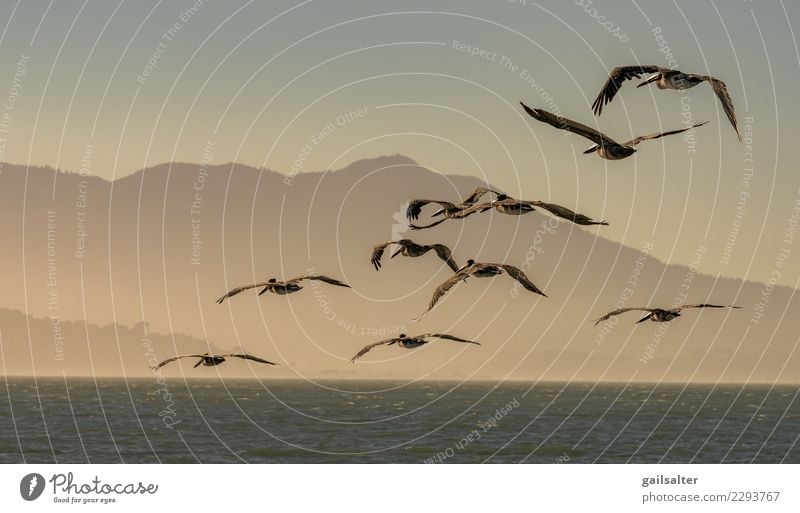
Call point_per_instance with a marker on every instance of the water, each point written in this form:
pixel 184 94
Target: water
pixel 58 420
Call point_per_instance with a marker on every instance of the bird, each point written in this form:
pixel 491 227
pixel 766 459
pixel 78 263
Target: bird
pixel 510 206
pixel 480 270
pixel 448 209
pixel 664 78
pixel 282 287
pixel 411 249
pixel 606 147
pixel 659 314
pixel 410 342
pixel 210 360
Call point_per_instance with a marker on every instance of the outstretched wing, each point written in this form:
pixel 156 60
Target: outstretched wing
pixel 460 214
pixel 170 360
pixel 569 125
pixel 615 80
pixel 446 255
pixel 449 337
pixel 367 348
pixel 522 278
pixel 721 90
pixel 442 289
pixel 415 206
pixel 377 253
pixel 476 195
pixel 706 305
pixel 620 311
pixel 565 213
pixel 319 277
pixel 239 290
pixel 246 356
pixel 657 135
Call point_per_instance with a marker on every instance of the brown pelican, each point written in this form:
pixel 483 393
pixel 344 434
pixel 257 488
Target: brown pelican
pixel 282 287
pixel 664 78
pixel 210 360
pixel 510 206
pixel 448 209
pixel 604 145
pixel 410 249
pixel 410 342
pixel 659 314
pixel 480 270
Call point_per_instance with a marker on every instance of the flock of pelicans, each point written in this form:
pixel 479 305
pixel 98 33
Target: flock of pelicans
pixel 605 147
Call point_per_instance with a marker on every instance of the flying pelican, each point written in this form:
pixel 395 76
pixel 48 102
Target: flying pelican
pixel 480 270
pixel 664 78
pixel 210 360
pixel 510 206
pixel 659 314
pixel 604 145
pixel 450 210
pixel 282 287
pixel 411 249
pixel 410 342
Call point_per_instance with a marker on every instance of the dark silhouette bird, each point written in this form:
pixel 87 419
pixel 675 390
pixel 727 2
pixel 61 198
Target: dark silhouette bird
pixel 210 360
pixel 480 270
pixel 410 342
pixel 411 249
pixel 510 206
pixel 659 314
pixel 282 287
pixel 447 209
pixel 664 78
pixel 605 147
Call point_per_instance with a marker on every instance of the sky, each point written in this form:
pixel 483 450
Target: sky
pixel 111 87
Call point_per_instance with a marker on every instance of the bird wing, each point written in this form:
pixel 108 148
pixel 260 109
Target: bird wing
pixel 706 305
pixel 238 290
pixel 569 125
pixel 565 213
pixel 319 277
pixel 521 277
pixel 721 90
pixel 367 348
pixel 442 289
pixel 476 195
pixel 619 311
pixel 657 135
pixel 170 360
pixel 615 80
pixel 377 253
pixel 414 208
pixel 449 337
pixel 446 255
pixel 246 356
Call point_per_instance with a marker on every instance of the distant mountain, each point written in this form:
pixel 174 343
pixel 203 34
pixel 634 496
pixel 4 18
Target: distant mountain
pixel 158 247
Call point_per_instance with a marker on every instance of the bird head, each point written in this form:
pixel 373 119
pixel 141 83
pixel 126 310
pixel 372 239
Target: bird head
pixel 272 280
pixel 501 197
pixel 402 335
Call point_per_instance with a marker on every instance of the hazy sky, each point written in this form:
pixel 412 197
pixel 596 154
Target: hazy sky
pixel 113 87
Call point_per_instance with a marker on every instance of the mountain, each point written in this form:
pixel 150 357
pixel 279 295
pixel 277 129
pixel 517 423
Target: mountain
pixel 151 252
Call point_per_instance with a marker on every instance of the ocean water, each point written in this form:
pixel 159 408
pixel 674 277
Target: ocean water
pixel 57 420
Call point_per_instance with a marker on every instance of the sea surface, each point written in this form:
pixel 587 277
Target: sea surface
pixel 83 420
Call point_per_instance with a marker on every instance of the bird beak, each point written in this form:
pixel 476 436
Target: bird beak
pixel 397 252
pixel 649 80
pixel 590 150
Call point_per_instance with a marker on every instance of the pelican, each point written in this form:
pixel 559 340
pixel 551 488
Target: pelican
pixel 606 147
pixel 659 314
pixel 510 206
pixel 480 270
pixel 664 78
pixel 210 360
pixel 410 342
pixel 411 249
pixel 282 287
pixel 448 209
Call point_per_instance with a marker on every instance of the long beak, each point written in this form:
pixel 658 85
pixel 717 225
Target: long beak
pixel 438 212
pixel 264 290
pixel 644 318
pixel 198 363
pixel 397 252
pixel 590 150
pixel 650 80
